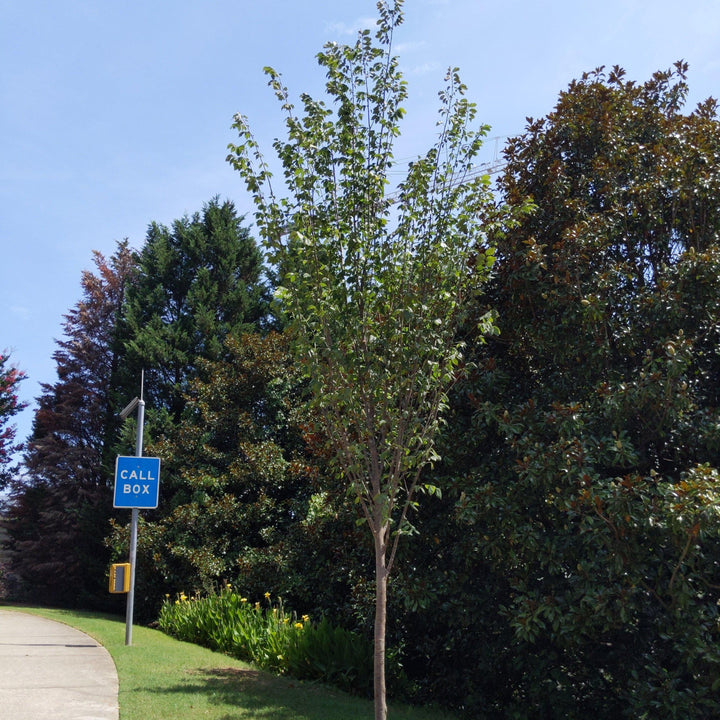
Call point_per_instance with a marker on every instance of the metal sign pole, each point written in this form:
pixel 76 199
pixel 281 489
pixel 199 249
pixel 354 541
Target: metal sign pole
pixel 131 591
pixel 133 528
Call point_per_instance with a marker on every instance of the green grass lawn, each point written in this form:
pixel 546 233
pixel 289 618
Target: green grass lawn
pixel 164 679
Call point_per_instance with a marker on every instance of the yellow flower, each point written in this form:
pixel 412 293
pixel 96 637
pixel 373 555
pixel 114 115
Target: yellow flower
pixel 298 625
pixel 267 595
pixel 305 618
pixel 243 600
pixel 286 620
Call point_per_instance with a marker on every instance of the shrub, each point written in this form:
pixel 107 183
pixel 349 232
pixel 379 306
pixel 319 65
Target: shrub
pixel 266 634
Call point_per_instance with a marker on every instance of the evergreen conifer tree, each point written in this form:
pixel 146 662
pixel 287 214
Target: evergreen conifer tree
pixel 199 281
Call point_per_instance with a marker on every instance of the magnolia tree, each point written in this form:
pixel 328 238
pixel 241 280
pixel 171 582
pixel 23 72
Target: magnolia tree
pixel 376 281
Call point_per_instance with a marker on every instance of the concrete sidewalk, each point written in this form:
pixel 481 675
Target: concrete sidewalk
pixel 50 671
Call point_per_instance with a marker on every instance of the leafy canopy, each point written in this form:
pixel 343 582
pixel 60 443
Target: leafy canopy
pixel 374 282
pixel 596 501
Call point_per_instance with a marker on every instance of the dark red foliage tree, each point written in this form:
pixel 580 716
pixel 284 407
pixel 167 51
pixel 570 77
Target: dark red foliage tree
pixel 10 405
pixel 60 508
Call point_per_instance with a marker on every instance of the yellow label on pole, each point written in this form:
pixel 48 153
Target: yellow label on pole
pixel 120 578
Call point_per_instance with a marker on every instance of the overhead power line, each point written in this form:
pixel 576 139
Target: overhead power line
pixel 494 167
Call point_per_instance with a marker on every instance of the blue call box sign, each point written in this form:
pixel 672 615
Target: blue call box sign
pixel 137 482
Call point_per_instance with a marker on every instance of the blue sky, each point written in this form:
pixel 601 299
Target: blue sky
pixel 115 114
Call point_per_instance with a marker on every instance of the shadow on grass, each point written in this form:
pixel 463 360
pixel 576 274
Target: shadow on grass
pixel 61 611
pixel 261 695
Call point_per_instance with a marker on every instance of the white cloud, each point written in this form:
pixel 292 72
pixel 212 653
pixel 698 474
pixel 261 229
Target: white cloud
pixel 341 28
pixel 404 47
pixel 424 69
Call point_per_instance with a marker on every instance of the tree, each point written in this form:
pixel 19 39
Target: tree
pixel 60 508
pixel 75 422
pixel 10 406
pixel 236 476
pixel 592 458
pixel 198 282
pixel 375 286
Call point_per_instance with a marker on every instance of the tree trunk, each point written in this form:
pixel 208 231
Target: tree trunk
pixel 381 582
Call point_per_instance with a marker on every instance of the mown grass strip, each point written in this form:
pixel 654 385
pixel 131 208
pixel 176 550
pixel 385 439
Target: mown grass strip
pixel 163 679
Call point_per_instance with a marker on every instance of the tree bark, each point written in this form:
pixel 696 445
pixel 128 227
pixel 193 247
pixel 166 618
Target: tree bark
pixel 381 582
